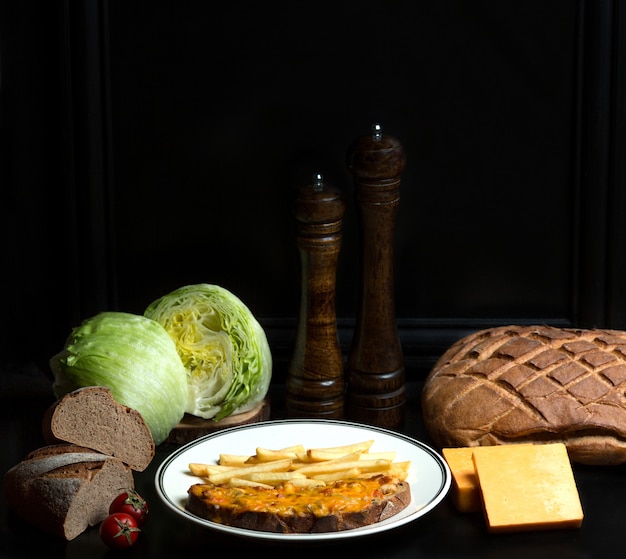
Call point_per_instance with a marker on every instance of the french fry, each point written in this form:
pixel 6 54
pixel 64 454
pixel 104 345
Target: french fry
pixel 339 459
pixel 296 448
pixel 232 459
pixel 303 457
pixel 199 470
pixel 328 453
pixel 319 455
pixel 268 455
pixel 362 446
pixel 241 482
pixel 337 465
pixel 273 478
pixel 335 476
pixel 204 470
pixel 398 470
pixel 244 471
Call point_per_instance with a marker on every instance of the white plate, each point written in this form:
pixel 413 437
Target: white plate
pixel 429 475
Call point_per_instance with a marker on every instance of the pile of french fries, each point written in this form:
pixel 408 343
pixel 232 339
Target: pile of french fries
pixel 301 467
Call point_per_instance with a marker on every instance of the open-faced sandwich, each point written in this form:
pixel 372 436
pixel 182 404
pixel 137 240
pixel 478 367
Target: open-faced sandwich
pixel 297 491
pixel 287 508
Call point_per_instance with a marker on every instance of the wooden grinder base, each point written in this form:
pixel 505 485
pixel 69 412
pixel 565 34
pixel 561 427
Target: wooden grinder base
pixel 191 427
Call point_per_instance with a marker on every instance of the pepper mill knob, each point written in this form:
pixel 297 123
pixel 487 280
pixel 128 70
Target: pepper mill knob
pixel 375 375
pixel 315 379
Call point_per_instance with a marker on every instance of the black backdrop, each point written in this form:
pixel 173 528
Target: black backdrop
pixel 148 145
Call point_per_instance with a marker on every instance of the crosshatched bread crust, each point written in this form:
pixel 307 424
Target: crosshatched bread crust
pixel 515 384
pixel 391 497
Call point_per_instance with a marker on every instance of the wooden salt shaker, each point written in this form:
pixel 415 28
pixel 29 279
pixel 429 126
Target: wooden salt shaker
pixel 375 375
pixel 315 380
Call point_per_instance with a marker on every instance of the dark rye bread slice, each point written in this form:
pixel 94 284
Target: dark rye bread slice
pixel 343 505
pixel 63 489
pixel 516 384
pixel 92 418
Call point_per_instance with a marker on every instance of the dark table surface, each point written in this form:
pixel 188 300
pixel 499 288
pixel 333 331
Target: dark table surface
pixel 442 532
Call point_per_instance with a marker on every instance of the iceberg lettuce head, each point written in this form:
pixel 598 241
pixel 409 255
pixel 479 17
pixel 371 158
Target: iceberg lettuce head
pixel 223 347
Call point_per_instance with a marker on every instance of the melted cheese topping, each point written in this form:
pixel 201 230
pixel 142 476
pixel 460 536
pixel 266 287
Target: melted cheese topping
pixel 344 496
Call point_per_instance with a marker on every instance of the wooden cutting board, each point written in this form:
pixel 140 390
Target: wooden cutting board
pixel 192 427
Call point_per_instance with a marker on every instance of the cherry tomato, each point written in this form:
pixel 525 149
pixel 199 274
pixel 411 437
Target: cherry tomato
pixel 119 531
pixel 131 503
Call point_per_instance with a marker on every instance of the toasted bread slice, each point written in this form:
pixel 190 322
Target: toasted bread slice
pixel 342 505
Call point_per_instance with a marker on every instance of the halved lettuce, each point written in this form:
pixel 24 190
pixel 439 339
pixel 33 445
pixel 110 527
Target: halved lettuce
pixel 222 345
pixel 134 357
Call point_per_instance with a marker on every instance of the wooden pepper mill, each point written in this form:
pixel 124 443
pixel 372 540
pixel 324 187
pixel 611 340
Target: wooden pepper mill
pixel 315 380
pixel 375 375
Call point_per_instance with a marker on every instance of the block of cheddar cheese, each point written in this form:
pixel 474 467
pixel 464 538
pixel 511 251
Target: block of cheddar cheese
pixel 527 487
pixel 465 493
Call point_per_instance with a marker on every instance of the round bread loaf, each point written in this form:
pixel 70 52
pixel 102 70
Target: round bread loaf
pixel 63 489
pixel 516 384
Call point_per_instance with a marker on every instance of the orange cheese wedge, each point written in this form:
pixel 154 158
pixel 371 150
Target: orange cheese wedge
pixel 527 487
pixel 465 493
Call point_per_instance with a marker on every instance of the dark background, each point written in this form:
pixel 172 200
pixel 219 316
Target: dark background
pixel 149 145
